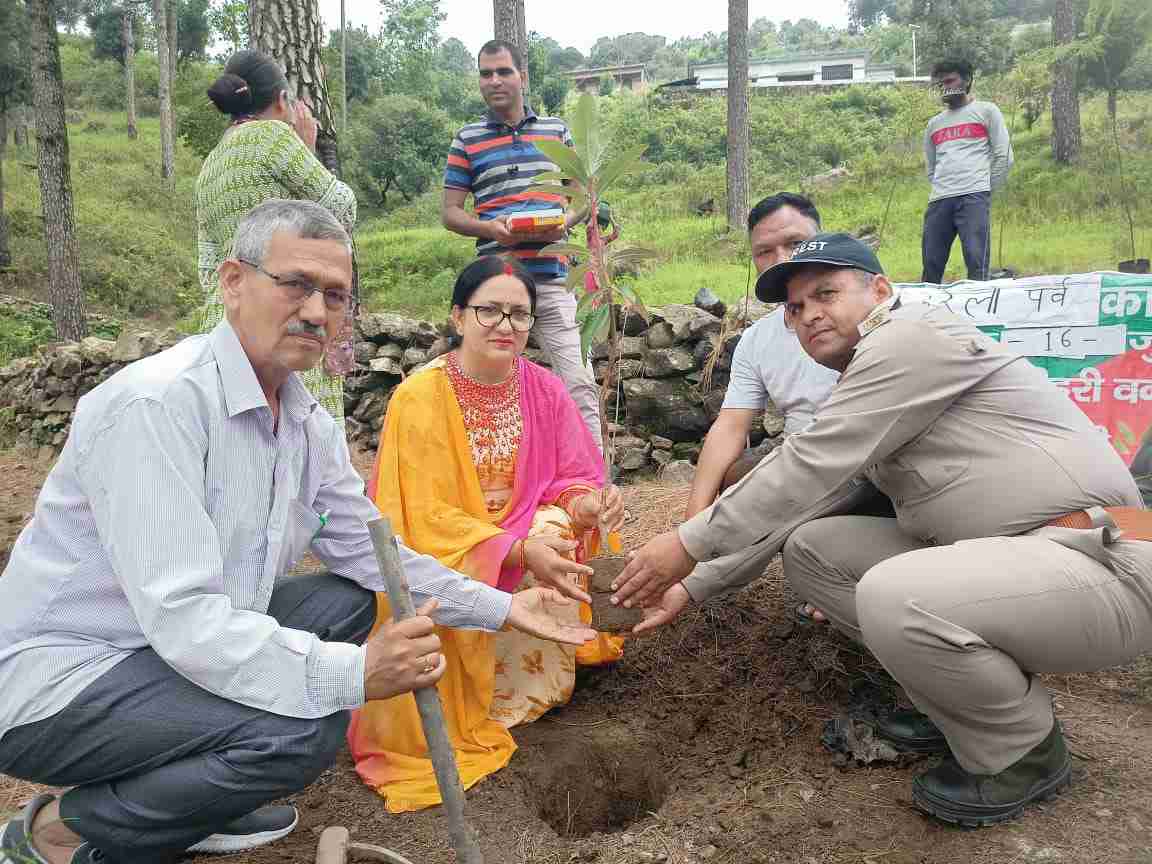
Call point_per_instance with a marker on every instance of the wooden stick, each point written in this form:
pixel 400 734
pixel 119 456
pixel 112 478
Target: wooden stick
pixel 427 702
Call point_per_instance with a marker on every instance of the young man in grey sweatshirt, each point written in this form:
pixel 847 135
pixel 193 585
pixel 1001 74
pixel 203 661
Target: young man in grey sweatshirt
pixel 968 153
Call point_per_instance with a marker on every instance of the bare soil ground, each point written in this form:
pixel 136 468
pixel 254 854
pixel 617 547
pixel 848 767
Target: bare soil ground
pixel 705 740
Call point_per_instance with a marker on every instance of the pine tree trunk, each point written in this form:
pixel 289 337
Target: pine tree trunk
pixel 172 10
pixel 737 113
pixel 20 126
pixel 508 23
pixel 1065 89
pixel 64 289
pixel 129 40
pixel 291 31
pixel 164 61
pixel 5 251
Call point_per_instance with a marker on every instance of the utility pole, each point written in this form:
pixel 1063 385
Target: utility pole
pixel 343 72
pixel 914 27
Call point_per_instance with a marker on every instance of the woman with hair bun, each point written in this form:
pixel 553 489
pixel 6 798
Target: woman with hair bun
pixel 268 151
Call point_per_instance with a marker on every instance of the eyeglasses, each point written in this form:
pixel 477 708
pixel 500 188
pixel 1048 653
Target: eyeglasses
pixel 491 317
pixel 299 288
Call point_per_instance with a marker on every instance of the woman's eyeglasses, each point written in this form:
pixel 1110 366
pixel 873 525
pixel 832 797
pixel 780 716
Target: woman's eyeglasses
pixel 491 317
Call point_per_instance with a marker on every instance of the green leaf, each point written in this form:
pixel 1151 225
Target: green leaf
pixel 594 327
pixel 549 177
pixel 584 305
pixel 565 158
pixel 575 278
pixel 563 249
pixel 625 291
pixel 586 131
pixel 618 167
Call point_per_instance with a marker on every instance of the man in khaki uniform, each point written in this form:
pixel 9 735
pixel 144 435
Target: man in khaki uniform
pixel 968 592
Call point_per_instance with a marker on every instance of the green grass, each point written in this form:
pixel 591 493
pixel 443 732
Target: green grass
pixel 138 251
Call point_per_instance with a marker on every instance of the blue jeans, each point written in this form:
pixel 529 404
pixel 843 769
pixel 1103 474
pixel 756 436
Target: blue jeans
pixel 966 215
pixel 159 763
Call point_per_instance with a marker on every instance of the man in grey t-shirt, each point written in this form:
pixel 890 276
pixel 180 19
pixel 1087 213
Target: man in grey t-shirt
pixel 769 363
pixel 968 154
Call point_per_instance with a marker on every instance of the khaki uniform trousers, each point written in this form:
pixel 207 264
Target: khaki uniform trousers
pixel 965 628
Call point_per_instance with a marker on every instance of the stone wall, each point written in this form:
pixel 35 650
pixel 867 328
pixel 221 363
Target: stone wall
pixel 674 368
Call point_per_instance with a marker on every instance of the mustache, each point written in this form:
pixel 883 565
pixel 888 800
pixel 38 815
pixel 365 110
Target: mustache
pixel 304 328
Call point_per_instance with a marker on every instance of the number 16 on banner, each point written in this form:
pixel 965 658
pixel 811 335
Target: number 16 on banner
pixel 1066 341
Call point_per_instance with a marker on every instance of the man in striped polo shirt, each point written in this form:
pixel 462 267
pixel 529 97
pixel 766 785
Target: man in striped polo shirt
pixel 495 160
pixel 968 154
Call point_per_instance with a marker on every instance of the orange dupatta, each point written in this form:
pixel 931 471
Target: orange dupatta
pixel 426 483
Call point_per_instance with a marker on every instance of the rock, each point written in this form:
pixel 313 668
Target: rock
pixel 661 335
pixel 626 369
pixel 633 323
pixel 631 442
pixel 413 357
pixel 713 402
pixel 63 404
pixel 371 407
pixel 707 347
pixel 667 405
pixel 52 386
pixel 665 362
pixel 686 450
pixel 66 361
pixel 773 420
pixel 827 180
pixel 390 350
pixel 709 302
pixel 380 327
pixel 870 237
pixel 363 352
pixel 707 852
pixel 631 458
pixel 631 348
pixel 439 347
pixel 130 347
pixel 660 443
pixel 678 472
pixel 753 309
pixel 687 322
pixel 386 365
pixel 660 457
pixel 538 356
pixel 95 351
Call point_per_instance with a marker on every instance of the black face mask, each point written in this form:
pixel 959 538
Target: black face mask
pixel 954 97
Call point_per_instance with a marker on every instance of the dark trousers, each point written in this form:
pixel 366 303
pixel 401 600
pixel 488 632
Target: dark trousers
pixel 159 763
pixel 966 215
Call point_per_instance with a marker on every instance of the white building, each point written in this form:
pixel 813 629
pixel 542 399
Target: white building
pixel 833 68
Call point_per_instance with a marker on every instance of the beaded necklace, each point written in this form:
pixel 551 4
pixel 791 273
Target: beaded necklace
pixel 494 425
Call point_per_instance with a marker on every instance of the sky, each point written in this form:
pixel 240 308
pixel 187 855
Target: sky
pixel 580 24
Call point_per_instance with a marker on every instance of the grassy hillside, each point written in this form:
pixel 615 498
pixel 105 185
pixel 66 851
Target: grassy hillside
pixel 137 239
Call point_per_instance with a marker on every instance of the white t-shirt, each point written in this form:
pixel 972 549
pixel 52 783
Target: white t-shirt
pixel 770 364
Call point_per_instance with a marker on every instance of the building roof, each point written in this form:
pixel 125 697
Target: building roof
pixel 606 70
pixel 794 58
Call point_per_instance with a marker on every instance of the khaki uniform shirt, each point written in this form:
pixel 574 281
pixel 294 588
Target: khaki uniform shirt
pixel 967 438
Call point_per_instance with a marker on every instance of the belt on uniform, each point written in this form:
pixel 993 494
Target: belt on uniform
pixel 1128 523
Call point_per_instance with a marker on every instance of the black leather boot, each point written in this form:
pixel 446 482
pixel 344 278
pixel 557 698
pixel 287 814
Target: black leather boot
pixel 950 793
pixel 911 732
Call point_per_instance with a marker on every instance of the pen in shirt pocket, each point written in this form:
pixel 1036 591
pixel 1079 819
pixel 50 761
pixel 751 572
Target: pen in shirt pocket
pixel 323 521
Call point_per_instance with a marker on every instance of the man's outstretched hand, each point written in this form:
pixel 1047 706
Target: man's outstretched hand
pixel 670 604
pixel 536 612
pixel 661 563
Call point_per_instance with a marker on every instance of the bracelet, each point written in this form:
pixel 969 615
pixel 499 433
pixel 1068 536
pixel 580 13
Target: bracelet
pixel 523 543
